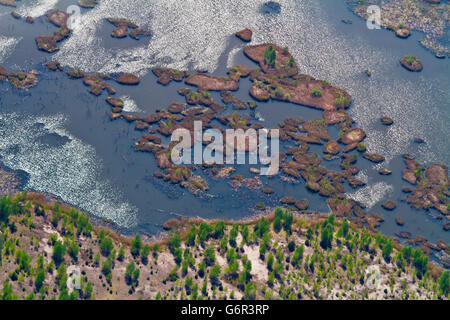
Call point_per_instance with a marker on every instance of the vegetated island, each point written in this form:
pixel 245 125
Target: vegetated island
pixel 411 63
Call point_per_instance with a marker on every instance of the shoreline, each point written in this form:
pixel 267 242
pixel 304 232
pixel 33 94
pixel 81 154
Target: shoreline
pixel 181 224
pixel 270 251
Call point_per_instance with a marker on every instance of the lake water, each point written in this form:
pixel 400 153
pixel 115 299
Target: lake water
pixel 62 136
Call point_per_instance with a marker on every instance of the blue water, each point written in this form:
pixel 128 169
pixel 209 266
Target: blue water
pixel 62 136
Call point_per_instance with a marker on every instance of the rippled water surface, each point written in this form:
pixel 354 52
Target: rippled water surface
pixel 96 168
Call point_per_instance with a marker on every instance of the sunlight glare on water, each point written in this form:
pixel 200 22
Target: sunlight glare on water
pixel 69 171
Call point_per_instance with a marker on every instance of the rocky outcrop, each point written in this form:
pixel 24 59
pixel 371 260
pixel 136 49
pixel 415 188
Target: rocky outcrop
pixel 3 73
pixel 128 79
pixel 341 207
pixel 288 200
pixel 237 72
pixel 317 128
pixel 386 121
pixel 373 157
pixel 228 98
pixel 115 102
pixel 389 205
pixel 122 26
pixel 138 32
pixel 355 135
pixel 96 83
pixel 335 116
pixel 176 107
pixel 403 32
pixel 11 181
pixel 405 15
pixel 302 89
pixel 399 221
pixel 49 43
pixel 15 15
pixel 437 174
pixel 209 82
pixel 54 65
pixel 166 75
pixel 331 147
pixel 259 93
pixel 195 184
pixel 385 172
pixel 409 176
pixel 21 80
pixel 267 190
pixel 89 4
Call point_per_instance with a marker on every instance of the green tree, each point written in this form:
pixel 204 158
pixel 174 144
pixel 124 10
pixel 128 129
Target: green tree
pixel 136 245
pixel 174 243
pixel 245 233
pixel 232 269
pixel 190 237
pixel 5 208
pixel 444 283
pixel 219 229
pixel 73 249
pixel 178 254
pixel 250 291
pixel 262 227
pixel 270 56
pixel 291 61
pixel 30 296
pixel 132 274
pixel 233 235
pixel 89 289
pixel 420 262
pixel 343 230
pixel 106 246
pixel 23 261
pixel 204 231
pixel 107 267
pixel 121 254
pixel 326 237
pixel 7 291
pixel 288 220
pixel 277 223
pixel 270 261
pixel 58 253
pixel 210 256
pixel 201 269
pixel 298 255
pixel 144 253
pixel 214 274
pixel 291 246
pixel 40 278
pixel 387 249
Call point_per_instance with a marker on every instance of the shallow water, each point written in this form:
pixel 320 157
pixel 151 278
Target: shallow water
pixel 94 165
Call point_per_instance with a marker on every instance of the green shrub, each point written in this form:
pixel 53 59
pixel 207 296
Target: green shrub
pixel 316 92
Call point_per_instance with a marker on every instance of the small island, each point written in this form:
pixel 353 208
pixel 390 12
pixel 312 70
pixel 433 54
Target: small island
pixel 411 63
